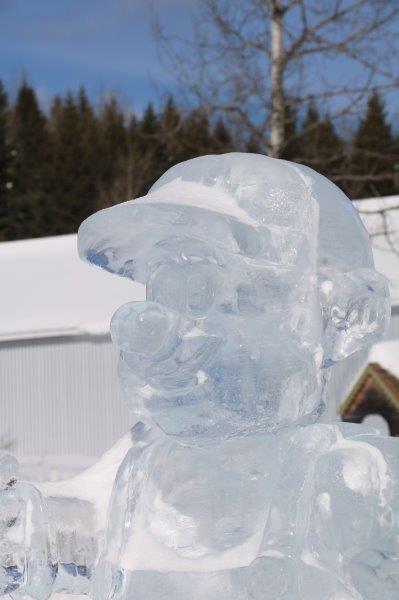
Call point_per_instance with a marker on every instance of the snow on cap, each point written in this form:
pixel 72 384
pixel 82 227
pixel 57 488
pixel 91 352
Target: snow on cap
pixel 252 205
pixel 214 198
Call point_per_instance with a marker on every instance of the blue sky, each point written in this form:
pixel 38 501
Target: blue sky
pixel 105 45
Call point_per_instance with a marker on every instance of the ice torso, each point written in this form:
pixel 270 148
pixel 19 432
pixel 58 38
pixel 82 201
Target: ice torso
pixel 177 524
pixel 311 509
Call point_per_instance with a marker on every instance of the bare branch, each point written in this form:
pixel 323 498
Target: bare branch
pixel 246 58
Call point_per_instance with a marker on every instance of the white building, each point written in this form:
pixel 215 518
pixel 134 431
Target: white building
pixel 381 218
pixel 60 403
pixel 59 399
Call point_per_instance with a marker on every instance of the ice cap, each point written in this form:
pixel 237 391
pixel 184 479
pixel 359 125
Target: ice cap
pixel 246 204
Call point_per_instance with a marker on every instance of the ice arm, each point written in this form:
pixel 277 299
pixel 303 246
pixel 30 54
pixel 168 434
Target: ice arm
pixel 52 533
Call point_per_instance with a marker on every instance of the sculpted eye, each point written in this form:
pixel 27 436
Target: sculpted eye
pixel 185 288
pixel 168 287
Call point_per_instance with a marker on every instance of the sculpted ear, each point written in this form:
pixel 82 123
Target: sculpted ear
pixel 356 312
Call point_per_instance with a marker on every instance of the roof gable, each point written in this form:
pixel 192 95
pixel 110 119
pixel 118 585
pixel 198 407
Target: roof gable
pixel 375 392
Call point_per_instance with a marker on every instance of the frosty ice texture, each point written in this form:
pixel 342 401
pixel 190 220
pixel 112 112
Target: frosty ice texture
pixel 259 277
pixel 25 565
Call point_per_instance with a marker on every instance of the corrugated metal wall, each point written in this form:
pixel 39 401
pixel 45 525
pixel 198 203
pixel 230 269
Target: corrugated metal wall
pixel 60 396
pixel 345 374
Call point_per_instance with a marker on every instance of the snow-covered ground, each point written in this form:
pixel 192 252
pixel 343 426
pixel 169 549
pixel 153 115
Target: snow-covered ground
pixel 53 468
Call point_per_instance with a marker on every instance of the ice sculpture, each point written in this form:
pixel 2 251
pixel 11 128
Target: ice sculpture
pixel 259 277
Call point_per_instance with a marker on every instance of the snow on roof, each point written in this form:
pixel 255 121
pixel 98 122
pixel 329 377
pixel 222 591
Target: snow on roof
pixel 47 291
pixel 381 218
pixel 386 354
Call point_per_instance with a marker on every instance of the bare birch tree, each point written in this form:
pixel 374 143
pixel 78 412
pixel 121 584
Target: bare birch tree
pixel 246 59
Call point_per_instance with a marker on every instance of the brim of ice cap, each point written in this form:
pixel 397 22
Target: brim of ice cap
pixel 129 238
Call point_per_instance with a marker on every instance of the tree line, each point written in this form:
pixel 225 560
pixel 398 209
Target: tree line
pixel 59 166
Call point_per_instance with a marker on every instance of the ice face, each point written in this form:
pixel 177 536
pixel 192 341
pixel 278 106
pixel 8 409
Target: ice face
pixel 259 276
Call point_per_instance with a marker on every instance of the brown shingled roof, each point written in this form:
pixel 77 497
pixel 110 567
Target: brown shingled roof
pixel 375 392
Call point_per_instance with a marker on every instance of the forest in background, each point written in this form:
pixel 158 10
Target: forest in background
pixel 57 167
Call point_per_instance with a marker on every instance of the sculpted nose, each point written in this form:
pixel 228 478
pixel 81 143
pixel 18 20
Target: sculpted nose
pixel 145 328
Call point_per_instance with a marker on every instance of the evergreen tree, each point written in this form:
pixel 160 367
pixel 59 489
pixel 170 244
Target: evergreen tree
pixel 196 135
pixel 56 109
pixel 131 166
pixel 171 123
pixel 5 163
pixel 56 171
pixel 320 146
pixel 68 172
pixel 149 128
pixel 90 155
pixel 292 148
pixel 147 152
pixel 396 165
pixel 373 153
pixel 76 162
pixel 132 130
pixel 114 150
pixel 221 138
pixel 30 176
pixel 253 145
pixel 114 135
